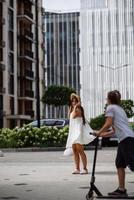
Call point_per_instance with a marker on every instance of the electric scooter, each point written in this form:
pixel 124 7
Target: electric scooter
pixel 93 189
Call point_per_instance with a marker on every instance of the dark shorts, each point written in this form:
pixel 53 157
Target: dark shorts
pixel 125 154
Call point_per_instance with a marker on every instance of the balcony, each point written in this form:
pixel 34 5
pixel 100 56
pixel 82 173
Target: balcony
pixel 29 112
pixel 32 1
pixel 2 90
pixel 25 34
pixel 2 21
pixel 2 67
pixel 28 33
pixel 27 93
pixel 26 16
pixel 2 44
pixel 2 113
pixel 29 73
pixel 27 54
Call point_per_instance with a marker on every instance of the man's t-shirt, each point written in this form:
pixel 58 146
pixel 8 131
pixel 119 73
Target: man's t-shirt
pixel 120 122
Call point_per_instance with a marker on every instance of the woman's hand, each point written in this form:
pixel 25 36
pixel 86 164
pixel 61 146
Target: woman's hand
pixel 77 105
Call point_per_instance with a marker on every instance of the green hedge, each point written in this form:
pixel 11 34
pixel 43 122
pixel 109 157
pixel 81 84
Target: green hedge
pixel 33 137
pixel 128 105
pixel 97 122
pixel 40 137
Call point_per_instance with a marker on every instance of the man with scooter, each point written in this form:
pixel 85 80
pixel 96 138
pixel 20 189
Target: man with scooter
pixel 116 118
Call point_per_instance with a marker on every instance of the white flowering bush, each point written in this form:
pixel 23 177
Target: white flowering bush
pixel 33 137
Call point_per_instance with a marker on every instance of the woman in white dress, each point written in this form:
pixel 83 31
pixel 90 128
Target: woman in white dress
pixel 78 134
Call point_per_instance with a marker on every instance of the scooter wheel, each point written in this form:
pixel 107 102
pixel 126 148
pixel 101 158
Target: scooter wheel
pixel 89 196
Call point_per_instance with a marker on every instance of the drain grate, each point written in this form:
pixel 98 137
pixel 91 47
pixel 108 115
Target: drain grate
pixel 23 174
pixel 20 184
pixel 10 197
pixel 29 190
pixel 85 187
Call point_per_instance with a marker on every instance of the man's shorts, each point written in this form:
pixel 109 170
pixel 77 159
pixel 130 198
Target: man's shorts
pixel 125 154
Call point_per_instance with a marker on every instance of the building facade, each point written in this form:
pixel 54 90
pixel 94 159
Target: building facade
pixel 107 51
pixel 18 61
pixel 62 53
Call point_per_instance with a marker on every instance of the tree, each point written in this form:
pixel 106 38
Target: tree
pixel 98 122
pixel 57 96
pixel 128 106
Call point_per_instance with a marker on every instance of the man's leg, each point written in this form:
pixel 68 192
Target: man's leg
pixel 120 165
pixel 121 178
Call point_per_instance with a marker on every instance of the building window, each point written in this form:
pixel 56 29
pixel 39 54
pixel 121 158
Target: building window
pixel 1 55
pixel 10 19
pixel 1 33
pixel 11 42
pixel 12 105
pixel 11 3
pixel 11 84
pixel 1 102
pixel 11 62
pixel 1 123
pixel 1 80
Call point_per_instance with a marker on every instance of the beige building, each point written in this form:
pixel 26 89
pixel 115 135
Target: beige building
pixel 18 61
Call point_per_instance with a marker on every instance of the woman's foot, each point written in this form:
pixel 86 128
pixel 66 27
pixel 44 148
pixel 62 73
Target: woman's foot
pixel 76 171
pixel 84 171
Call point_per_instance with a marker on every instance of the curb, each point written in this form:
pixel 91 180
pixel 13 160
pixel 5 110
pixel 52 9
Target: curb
pixel 40 149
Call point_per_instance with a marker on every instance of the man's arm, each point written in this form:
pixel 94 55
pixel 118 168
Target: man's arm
pixel 107 133
pixel 108 124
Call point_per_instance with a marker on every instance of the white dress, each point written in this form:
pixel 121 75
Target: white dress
pixel 78 132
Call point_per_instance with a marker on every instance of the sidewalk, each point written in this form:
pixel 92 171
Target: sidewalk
pixel 47 176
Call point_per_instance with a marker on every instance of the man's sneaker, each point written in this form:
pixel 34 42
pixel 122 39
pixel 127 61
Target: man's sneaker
pixel 118 192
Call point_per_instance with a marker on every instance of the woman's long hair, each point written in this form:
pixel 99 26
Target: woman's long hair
pixel 83 115
pixel 80 107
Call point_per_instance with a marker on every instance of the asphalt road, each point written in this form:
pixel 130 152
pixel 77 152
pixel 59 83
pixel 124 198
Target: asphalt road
pixel 47 176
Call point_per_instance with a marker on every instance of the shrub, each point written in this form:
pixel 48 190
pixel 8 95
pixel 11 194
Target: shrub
pixel 97 122
pixel 33 137
pixel 128 105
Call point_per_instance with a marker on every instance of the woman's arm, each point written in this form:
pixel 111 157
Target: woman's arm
pixel 77 110
pixel 69 111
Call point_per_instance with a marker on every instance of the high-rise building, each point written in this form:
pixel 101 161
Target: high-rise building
pixel 62 52
pixel 107 52
pixel 18 61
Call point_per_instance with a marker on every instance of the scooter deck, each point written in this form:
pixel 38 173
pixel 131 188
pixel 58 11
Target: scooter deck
pixel 114 197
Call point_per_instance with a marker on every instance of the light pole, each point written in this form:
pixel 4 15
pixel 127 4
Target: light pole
pixel 37 67
pixel 114 69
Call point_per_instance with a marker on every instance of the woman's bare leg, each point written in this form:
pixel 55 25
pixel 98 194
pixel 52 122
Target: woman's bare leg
pixel 83 156
pixel 76 157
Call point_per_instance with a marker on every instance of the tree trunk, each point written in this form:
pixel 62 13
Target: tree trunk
pixel 59 111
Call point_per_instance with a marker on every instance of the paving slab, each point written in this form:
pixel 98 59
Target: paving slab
pixel 47 176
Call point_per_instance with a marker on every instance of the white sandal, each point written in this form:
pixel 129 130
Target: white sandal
pixel 76 171
pixel 84 171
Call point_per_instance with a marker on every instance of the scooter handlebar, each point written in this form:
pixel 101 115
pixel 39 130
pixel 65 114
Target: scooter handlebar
pixel 93 133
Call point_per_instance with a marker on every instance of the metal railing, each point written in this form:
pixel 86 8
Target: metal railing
pixel 28 33
pixel 29 73
pixel 28 13
pixel 29 112
pixel 28 53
